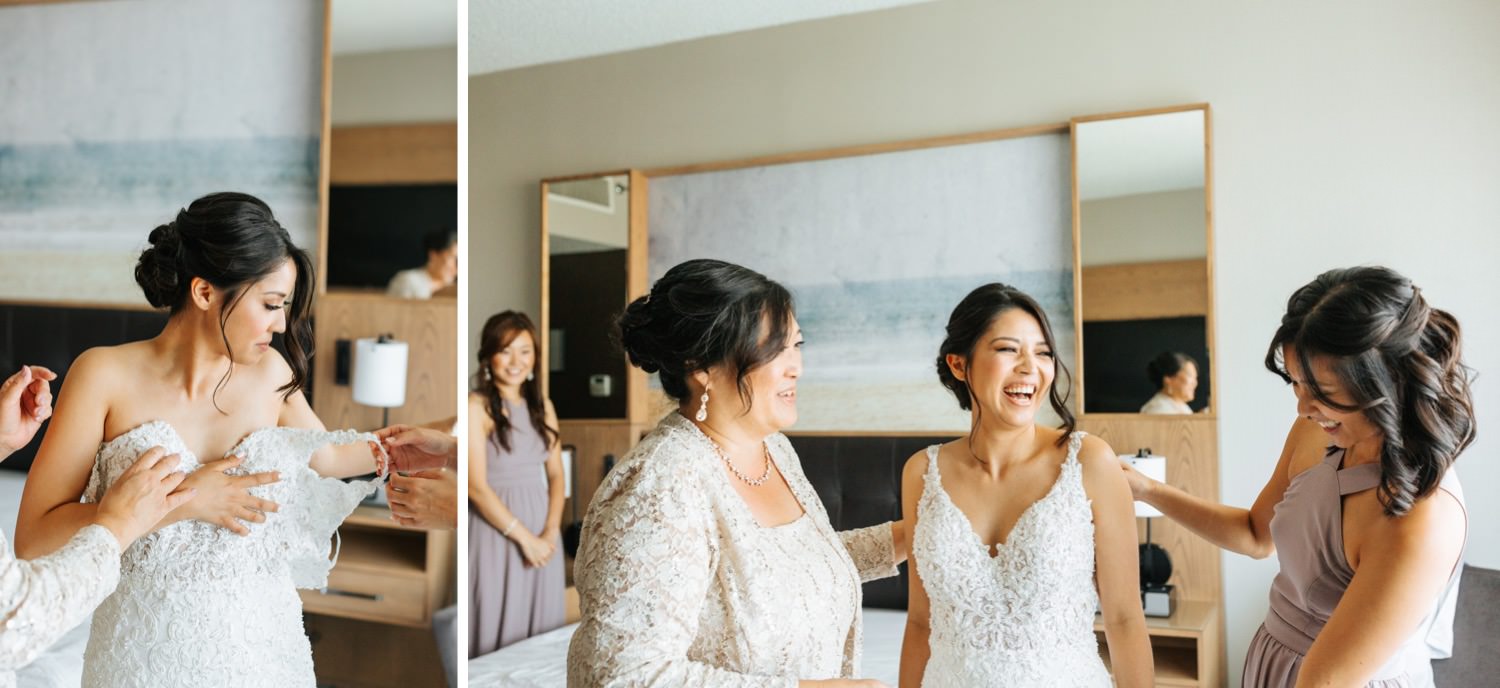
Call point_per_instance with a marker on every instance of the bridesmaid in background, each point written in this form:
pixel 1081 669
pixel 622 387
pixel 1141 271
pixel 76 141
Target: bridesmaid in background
pixel 515 492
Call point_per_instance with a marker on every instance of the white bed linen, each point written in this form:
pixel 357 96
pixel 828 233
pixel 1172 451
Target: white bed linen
pixel 62 664
pixel 542 661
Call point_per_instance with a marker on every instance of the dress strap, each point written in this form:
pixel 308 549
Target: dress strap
pixel 932 467
pixel 1358 478
pixel 1075 442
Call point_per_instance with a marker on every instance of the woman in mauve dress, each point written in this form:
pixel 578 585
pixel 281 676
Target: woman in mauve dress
pixel 1364 510
pixel 515 493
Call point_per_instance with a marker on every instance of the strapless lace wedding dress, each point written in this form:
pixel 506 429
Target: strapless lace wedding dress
pixel 1024 617
pixel 200 606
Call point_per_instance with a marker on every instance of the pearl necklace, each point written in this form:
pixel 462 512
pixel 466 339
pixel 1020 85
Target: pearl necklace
pixel 753 483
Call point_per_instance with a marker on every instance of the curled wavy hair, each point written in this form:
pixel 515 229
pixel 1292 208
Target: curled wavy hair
pixel 972 317
pixel 499 331
pixel 1400 361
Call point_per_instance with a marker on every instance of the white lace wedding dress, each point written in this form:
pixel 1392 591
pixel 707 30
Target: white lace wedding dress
pixel 1024 617
pixel 200 606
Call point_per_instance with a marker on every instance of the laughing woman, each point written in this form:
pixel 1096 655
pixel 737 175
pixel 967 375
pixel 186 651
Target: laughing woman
pixel 1364 508
pixel 707 558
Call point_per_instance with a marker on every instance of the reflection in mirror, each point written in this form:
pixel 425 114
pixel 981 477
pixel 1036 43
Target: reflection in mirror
pixel 588 230
pixel 1143 245
pixel 393 164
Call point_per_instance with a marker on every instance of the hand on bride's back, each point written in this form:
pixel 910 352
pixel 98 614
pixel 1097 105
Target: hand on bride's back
pixel 225 500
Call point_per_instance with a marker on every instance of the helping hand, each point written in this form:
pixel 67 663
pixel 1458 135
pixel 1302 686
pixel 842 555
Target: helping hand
pixel 144 494
pixel 416 449
pixel 25 402
pixel 427 499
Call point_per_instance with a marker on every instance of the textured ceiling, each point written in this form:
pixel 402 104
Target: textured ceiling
pixel 507 34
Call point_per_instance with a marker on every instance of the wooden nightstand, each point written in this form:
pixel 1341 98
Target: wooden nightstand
pixel 1183 645
pixel 372 626
pixel 386 572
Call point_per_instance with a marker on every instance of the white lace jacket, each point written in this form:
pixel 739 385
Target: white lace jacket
pixel 43 598
pixel 679 585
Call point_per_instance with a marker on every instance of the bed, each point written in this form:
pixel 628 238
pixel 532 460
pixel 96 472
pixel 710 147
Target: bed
pixel 62 664
pixel 859 482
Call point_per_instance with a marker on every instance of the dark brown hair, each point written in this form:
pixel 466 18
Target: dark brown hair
pixel 499 331
pixel 231 240
pixel 1398 358
pixel 972 317
pixel 703 313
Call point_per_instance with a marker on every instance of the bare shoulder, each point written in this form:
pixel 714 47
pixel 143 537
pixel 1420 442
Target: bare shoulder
pixel 1306 445
pixel 104 365
pixel 915 467
pixel 1437 517
pixel 1095 453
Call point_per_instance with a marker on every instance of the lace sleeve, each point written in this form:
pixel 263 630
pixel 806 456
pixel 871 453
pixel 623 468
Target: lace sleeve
pixel 316 506
pixel 643 571
pixel 873 551
pixel 44 598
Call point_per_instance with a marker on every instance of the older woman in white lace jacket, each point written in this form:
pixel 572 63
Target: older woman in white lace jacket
pixel 707 559
pixel 43 598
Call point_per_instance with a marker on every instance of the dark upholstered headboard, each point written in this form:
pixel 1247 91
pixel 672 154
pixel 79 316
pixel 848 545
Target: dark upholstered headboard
pixel 52 336
pixel 859 480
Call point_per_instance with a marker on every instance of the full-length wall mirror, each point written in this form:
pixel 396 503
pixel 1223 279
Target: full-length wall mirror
pixel 588 234
pixel 1144 251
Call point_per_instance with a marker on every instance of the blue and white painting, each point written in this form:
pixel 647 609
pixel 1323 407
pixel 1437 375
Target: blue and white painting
pixel 877 250
pixel 117 114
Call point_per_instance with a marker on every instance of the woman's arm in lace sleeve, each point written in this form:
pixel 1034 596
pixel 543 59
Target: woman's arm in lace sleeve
pixel 42 599
pixel 876 550
pixel 643 570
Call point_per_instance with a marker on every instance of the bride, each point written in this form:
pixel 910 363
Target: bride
pixel 1020 530
pixel 209 598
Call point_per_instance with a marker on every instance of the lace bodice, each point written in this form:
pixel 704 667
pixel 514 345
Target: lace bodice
pixel 1024 617
pixel 679 585
pixel 198 605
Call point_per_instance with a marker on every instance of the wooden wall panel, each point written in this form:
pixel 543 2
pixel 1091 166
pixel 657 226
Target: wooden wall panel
pixel 430 329
pixel 395 154
pixel 1137 291
pixel 593 440
pixel 1190 444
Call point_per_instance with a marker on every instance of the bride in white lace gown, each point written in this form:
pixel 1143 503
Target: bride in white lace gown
pixel 1018 612
pixel 209 597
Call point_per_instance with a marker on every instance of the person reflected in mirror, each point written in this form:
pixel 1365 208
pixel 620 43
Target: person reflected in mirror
pixel 1175 375
pixel 515 492
pixel 439 273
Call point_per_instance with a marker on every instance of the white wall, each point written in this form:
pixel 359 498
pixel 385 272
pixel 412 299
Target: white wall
pixel 1142 228
pixel 1344 131
pixel 396 87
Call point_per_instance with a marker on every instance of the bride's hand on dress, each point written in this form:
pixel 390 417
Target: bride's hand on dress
pixel 225 500
pixel 145 493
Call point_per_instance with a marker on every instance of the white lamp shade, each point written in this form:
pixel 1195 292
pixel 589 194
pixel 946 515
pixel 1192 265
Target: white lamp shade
pixel 1153 467
pixel 379 373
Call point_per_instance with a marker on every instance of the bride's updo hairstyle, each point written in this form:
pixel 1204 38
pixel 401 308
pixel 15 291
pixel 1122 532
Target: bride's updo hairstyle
pixel 968 323
pixel 231 240
pixel 704 313
pixel 1398 358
